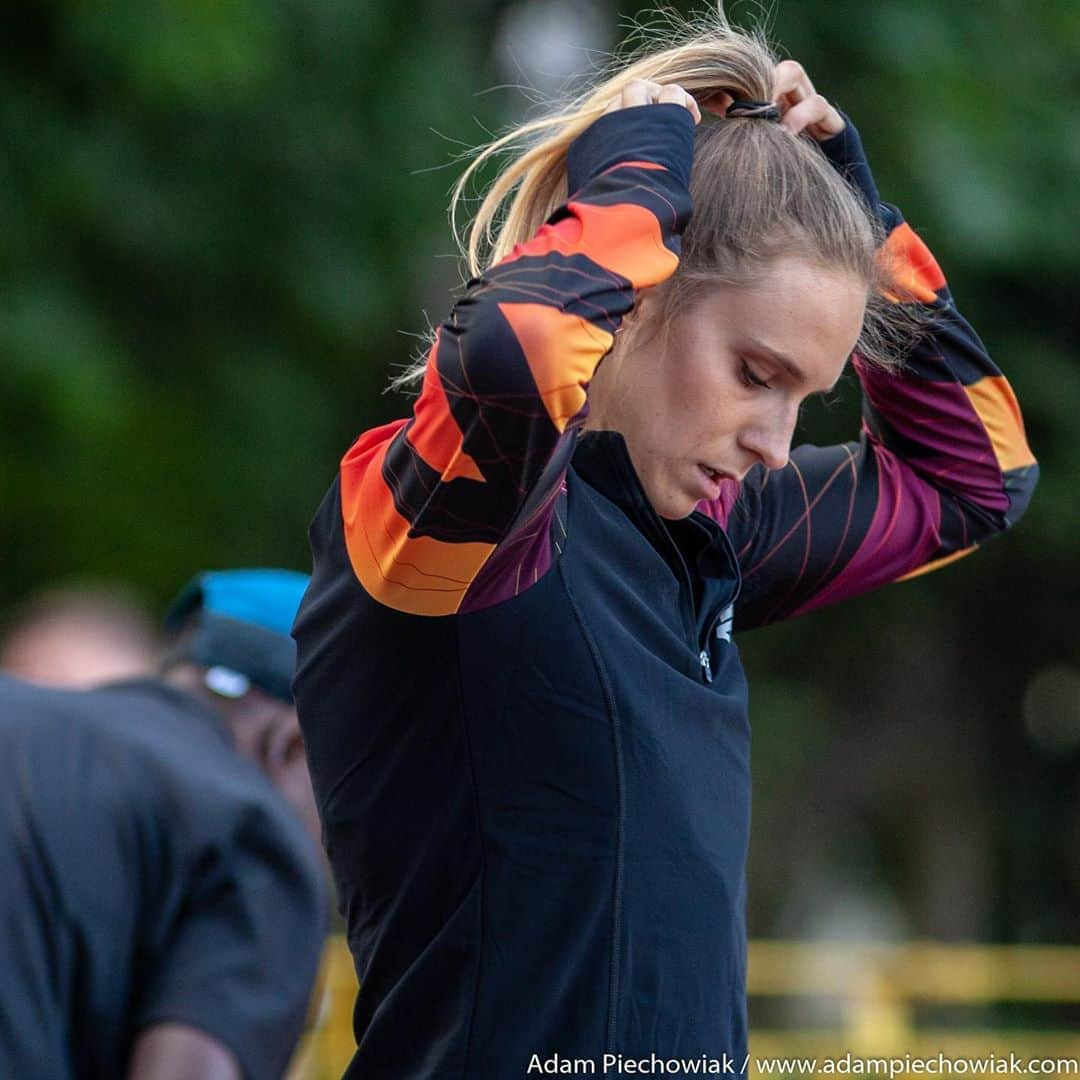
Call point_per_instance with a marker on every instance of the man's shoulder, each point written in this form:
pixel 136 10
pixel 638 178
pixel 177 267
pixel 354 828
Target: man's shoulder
pixel 141 748
pixel 140 778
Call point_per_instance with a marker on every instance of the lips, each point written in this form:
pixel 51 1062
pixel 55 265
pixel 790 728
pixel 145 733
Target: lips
pixel 711 480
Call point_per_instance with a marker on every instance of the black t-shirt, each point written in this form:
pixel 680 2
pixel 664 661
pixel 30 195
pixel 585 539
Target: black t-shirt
pixel 148 874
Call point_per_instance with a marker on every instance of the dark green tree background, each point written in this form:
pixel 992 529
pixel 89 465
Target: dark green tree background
pixel 222 225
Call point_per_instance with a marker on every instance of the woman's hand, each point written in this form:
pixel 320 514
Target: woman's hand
pixel 641 92
pixel 802 108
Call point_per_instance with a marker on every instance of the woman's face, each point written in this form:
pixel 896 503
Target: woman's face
pixel 718 390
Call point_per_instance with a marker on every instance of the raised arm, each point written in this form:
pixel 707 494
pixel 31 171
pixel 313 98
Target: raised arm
pixel 941 465
pixel 427 501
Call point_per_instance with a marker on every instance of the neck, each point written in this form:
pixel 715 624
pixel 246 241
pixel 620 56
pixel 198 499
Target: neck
pixel 600 389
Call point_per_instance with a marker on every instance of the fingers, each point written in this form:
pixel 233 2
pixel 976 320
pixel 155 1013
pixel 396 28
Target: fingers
pixel 815 116
pixel 791 84
pixel 676 95
pixel 802 108
pixel 644 92
pixel 639 92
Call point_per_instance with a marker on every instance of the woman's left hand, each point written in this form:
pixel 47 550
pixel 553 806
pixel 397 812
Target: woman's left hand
pixel 802 108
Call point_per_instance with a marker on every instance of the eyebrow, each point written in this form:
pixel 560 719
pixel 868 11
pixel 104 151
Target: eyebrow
pixel 793 370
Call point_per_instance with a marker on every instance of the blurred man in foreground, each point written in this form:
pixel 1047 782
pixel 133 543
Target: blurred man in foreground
pixel 161 905
pixel 79 636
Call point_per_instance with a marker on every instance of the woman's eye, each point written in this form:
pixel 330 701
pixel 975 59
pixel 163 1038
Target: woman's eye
pixel 750 379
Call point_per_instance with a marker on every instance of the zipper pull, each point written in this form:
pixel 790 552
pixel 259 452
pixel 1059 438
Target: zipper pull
pixel 706 666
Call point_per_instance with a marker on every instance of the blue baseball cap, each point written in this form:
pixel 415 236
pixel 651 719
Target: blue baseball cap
pixel 237 624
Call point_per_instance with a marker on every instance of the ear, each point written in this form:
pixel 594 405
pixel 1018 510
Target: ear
pixel 285 764
pixel 283 745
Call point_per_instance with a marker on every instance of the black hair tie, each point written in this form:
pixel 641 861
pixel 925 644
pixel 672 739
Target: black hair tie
pixel 754 110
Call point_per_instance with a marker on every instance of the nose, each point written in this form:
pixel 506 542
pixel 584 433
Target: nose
pixel 769 438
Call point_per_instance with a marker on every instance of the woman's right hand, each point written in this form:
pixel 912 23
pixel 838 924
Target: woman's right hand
pixel 643 92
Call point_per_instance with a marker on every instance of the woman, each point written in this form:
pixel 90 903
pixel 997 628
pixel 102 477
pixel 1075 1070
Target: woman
pixel 524 712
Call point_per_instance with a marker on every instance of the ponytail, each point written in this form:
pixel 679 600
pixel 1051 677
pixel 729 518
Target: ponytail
pixel 705 58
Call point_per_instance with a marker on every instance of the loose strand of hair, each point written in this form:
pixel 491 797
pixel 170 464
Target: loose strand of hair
pixel 526 190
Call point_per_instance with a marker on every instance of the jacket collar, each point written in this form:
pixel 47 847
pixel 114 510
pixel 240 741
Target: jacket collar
pixel 602 460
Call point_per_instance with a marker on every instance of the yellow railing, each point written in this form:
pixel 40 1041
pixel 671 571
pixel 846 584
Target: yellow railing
pixel 328 1045
pixel 871 992
pixel 879 987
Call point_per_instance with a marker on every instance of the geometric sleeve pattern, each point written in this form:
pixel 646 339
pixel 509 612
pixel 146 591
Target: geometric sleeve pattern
pixel 941 465
pixel 428 501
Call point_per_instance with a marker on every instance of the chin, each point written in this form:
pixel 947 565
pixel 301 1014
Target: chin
pixel 675 509
pixel 669 494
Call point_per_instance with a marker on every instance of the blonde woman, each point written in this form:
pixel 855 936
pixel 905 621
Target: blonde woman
pixel 524 710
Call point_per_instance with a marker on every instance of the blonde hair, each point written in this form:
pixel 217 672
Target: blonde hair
pixel 757 193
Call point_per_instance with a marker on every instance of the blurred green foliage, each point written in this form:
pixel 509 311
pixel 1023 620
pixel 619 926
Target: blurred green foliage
pixel 222 224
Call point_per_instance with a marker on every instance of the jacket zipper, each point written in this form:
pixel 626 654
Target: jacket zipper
pixel 706 665
pixel 703 646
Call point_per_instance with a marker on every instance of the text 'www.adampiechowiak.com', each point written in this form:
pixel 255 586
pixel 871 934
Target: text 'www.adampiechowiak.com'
pixel 844 1065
